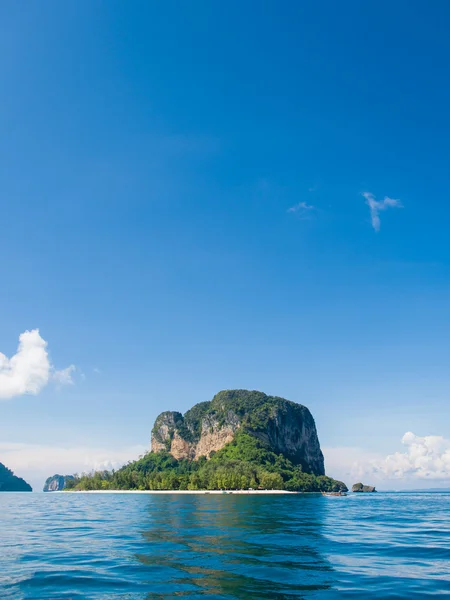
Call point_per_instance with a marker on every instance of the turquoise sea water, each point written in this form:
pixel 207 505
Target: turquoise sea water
pixel 56 546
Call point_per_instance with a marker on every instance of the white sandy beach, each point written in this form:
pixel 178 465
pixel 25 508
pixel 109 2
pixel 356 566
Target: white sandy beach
pixel 257 492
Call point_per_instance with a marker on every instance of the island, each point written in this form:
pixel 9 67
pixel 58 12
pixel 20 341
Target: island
pixel 10 483
pixel 57 483
pixel 360 488
pixel 239 440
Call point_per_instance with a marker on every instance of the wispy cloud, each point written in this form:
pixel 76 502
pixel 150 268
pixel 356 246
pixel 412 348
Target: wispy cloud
pixel 376 206
pixel 64 376
pixel 349 464
pixel 302 210
pixel 29 370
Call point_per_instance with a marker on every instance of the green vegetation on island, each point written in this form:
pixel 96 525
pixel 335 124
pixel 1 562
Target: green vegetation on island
pixel 239 440
pixel 10 483
pixel 361 488
pixel 285 428
pixel 245 462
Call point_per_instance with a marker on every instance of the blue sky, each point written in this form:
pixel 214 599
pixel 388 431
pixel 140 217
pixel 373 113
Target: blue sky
pixel 150 155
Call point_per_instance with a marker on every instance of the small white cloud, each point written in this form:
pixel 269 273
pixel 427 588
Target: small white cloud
pixel 376 206
pixel 29 370
pixel 302 210
pixel 64 376
pixel 96 370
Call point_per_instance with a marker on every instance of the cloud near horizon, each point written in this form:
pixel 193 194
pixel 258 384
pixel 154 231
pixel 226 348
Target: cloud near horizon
pixel 35 462
pixel 376 206
pixel 30 370
pixel 425 459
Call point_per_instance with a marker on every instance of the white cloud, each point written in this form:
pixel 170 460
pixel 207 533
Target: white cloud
pixel 36 462
pixel 302 209
pixel 424 463
pixel 64 376
pixel 425 457
pixel 29 370
pixel 376 206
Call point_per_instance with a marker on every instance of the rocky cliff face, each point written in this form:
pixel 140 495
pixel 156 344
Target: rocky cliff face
pixel 291 431
pixel 285 427
pixel 174 434
pixel 361 488
pixel 164 430
pixel 56 483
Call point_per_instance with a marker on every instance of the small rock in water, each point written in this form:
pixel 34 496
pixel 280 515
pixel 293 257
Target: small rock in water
pixel 359 487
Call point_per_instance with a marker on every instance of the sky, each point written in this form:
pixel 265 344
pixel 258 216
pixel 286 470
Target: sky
pixel 204 196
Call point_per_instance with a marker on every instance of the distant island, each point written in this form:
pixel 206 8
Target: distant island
pixel 239 440
pixel 359 488
pixel 57 483
pixel 10 483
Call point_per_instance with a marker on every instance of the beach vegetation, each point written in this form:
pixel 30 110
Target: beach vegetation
pixel 244 463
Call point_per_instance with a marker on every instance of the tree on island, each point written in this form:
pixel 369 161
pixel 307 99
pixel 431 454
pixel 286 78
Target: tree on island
pixel 245 463
pixel 10 483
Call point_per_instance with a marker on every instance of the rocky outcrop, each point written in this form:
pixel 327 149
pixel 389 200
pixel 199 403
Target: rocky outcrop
pixel 291 431
pixel 164 430
pixel 283 426
pixel 10 483
pixel 57 483
pixel 360 488
pixel 176 435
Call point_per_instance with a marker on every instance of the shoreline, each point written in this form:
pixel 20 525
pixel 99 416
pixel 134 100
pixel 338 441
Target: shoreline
pixel 253 492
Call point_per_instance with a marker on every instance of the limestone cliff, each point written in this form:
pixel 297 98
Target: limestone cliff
pixel 283 426
pixel 361 488
pixel 57 483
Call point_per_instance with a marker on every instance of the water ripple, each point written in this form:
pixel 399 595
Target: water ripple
pixel 73 546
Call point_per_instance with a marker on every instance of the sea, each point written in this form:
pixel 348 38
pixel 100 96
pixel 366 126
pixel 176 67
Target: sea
pixel 127 546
